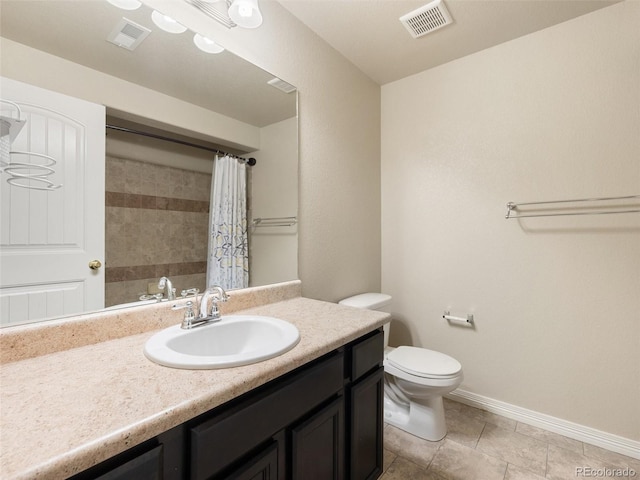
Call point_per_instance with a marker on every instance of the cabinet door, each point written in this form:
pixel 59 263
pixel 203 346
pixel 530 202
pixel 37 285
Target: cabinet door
pixel 366 401
pixel 263 466
pixel 317 445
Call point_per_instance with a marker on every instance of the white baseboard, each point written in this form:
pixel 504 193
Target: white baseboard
pixel 589 435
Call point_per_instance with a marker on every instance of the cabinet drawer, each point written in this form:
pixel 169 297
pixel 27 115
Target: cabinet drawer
pixel 147 466
pixel 161 457
pixel 366 355
pixel 219 441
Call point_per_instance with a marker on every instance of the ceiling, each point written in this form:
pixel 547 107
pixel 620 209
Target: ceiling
pixel 369 34
pixel 171 64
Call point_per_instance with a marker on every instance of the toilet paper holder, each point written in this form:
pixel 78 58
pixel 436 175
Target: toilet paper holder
pixel 450 318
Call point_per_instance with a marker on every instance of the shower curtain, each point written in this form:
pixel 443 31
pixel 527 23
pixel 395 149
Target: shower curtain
pixel 228 260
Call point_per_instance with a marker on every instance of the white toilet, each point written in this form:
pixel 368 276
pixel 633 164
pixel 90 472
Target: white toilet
pixel 415 379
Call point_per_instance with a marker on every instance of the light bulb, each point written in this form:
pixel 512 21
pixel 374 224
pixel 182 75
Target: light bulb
pixel 206 44
pixel 126 4
pixel 245 10
pixel 245 13
pixel 167 23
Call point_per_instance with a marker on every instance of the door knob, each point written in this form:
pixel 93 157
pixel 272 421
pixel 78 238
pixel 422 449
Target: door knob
pixel 95 264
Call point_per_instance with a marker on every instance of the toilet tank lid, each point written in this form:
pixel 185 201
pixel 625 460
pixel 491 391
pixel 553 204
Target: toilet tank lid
pixel 370 301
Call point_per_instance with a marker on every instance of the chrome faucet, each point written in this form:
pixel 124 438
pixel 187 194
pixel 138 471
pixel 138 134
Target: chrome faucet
pixel 217 294
pixel 205 315
pixel 166 285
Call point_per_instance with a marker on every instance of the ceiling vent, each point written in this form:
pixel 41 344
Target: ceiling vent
pixel 281 85
pixel 128 34
pixel 427 19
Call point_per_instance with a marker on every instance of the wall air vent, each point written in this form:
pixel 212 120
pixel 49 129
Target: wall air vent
pixel 128 34
pixel 281 85
pixel 427 19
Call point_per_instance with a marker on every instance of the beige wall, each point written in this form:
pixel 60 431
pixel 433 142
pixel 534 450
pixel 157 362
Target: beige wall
pixel 339 203
pixel 548 116
pixel 274 193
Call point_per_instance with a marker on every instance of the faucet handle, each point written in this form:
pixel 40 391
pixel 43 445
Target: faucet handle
pixel 187 305
pixel 224 297
pixel 221 294
pixel 190 291
pixel 189 315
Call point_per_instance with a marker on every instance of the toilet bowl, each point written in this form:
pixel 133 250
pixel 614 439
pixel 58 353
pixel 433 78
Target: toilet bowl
pixel 415 379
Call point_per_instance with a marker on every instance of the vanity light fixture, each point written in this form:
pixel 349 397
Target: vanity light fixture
pixel 166 23
pixel 206 44
pixel 126 4
pixel 245 13
pixel 231 13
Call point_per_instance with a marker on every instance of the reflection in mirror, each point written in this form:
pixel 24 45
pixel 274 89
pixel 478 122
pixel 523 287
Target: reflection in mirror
pixel 154 207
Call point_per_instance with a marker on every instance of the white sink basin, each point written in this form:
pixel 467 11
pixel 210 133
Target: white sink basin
pixel 233 341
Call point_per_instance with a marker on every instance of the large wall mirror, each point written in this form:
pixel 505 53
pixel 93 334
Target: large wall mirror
pixel 167 108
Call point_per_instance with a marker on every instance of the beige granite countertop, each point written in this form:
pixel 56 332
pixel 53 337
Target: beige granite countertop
pixel 66 411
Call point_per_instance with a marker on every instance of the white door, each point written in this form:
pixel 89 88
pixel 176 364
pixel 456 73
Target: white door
pixel 48 238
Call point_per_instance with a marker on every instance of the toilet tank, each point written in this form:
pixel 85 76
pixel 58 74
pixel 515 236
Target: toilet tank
pixel 372 301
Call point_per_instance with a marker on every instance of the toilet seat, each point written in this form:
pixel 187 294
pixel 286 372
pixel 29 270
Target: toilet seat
pixel 423 363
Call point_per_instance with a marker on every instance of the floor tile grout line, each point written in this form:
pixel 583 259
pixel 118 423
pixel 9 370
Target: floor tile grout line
pixel 505 470
pixel 546 463
pixel 434 456
pixel 475 447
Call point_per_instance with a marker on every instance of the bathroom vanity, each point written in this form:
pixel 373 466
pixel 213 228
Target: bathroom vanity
pixel 323 420
pixel 102 410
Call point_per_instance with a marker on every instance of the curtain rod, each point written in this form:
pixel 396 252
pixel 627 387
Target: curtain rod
pixel 249 161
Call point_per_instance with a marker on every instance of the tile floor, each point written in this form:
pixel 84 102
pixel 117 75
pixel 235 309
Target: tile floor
pixel 483 446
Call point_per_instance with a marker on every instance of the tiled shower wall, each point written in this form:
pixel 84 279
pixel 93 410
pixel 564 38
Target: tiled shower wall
pixel 156 225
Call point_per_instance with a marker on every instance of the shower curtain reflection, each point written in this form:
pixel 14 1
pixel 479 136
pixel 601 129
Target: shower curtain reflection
pixel 228 258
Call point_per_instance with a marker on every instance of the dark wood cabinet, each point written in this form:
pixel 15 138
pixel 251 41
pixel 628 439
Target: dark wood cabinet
pixel 317 444
pixel 263 466
pixel 322 421
pixel 147 466
pixel 224 435
pixel 366 399
pixel 161 458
